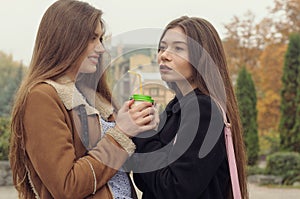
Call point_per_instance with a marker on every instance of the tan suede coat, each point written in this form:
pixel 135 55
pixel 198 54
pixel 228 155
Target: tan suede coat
pixel 58 164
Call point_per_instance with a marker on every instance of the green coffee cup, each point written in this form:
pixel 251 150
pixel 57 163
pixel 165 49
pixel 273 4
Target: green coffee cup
pixel 141 98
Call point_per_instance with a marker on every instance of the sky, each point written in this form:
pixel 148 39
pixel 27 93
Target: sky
pixel 19 19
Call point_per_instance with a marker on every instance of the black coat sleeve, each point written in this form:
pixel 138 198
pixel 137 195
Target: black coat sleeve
pixel 184 173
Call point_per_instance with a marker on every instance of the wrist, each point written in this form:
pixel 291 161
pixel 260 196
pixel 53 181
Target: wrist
pixel 121 131
pixel 122 139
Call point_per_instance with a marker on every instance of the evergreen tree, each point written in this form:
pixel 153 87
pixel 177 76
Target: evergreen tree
pixel 289 127
pixel 8 91
pixel 10 78
pixel 246 97
pixel 13 85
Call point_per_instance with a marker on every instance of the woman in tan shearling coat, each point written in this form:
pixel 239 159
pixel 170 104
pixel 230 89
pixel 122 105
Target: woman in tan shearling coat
pixel 66 142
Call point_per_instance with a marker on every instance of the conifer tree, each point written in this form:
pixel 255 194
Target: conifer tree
pixel 10 77
pixel 246 97
pixel 289 127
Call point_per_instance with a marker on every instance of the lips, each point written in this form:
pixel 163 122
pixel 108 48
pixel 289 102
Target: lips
pixel 164 68
pixel 94 59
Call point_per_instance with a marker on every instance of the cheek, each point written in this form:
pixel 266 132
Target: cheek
pixel 83 63
pixel 187 69
pixel 86 67
pixel 158 58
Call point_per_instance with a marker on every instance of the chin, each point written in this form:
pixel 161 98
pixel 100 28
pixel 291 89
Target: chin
pixel 164 78
pixel 167 79
pixel 90 69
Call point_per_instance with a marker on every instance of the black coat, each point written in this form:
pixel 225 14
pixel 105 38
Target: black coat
pixel 175 169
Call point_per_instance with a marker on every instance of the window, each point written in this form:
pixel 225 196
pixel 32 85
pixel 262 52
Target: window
pixel 154 91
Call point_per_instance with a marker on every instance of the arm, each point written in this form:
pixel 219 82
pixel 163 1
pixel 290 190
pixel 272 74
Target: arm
pixel 186 175
pixel 49 145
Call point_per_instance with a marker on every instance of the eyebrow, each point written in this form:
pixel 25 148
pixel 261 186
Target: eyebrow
pixel 175 42
pixel 96 34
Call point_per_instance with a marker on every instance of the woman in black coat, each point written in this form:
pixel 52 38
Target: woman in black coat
pixel 186 157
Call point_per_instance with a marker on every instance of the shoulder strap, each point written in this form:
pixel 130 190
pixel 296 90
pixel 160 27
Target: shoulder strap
pixel 231 158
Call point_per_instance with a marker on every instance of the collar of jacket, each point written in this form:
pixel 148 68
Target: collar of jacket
pixel 72 97
pixel 175 104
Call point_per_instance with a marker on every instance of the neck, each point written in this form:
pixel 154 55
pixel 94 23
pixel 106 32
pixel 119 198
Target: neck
pixel 185 87
pixel 66 78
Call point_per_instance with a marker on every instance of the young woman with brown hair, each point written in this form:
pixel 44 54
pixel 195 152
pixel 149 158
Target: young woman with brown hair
pixel 189 149
pixel 66 142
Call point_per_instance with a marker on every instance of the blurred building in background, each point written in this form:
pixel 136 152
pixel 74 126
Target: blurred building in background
pixel 142 60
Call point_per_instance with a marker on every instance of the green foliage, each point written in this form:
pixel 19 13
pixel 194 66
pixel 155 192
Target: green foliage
pixel 246 96
pixel 255 170
pixel 296 127
pixel 270 142
pixel 289 126
pixel 4 138
pixel 285 164
pixel 10 78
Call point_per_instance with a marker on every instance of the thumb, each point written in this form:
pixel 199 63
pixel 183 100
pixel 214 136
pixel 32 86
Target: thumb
pixel 126 106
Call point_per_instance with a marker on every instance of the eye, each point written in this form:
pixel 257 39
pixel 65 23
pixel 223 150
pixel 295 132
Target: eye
pixel 101 39
pixel 178 48
pixel 162 48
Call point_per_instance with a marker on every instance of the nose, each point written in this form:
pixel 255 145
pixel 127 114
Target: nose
pixel 99 48
pixel 165 55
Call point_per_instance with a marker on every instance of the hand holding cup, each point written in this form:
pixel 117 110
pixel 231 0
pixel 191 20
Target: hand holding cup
pixel 133 120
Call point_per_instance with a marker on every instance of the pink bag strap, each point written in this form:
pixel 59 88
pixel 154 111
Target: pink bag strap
pixel 231 158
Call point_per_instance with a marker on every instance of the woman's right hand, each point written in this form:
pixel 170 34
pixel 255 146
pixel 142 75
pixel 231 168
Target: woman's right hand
pixel 140 118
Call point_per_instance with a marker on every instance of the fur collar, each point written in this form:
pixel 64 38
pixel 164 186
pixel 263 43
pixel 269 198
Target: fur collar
pixel 72 97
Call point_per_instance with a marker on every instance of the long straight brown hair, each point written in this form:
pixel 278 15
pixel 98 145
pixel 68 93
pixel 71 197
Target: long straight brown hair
pixel 63 36
pixel 211 76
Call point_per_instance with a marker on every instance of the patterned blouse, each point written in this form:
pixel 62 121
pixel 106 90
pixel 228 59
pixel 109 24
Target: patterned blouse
pixel 119 183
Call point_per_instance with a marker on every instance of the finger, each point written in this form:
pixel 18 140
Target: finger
pixel 144 113
pixel 156 120
pixel 149 126
pixel 142 106
pixel 148 111
pixel 130 102
pixel 144 120
pixel 126 106
pixel 156 112
pixel 135 114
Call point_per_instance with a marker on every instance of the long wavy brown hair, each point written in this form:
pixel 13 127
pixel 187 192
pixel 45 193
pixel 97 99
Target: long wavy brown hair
pixel 210 74
pixel 63 36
